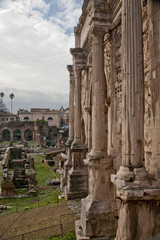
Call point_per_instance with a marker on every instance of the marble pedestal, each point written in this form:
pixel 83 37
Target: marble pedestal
pixel 139 208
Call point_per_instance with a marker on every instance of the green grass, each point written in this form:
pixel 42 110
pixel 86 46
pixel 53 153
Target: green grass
pixel 67 236
pixel 4 144
pixel 49 197
pixel 43 174
pixel 31 144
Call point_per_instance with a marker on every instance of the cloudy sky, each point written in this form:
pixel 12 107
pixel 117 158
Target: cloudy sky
pixel 35 38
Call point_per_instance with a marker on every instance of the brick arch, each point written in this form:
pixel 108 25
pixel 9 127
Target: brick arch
pixel 30 128
pixel 4 136
pixel 22 127
pixel 16 133
pixel 28 134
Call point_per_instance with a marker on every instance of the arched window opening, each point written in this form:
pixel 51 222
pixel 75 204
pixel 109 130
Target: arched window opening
pixel 16 135
pixel 50 119
pixel 26 118
pixel 28 135
pixel 6 135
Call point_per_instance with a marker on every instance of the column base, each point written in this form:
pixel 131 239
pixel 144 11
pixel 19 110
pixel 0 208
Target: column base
pixel 77 179
pixel 77 186
pixel 67 167
pixel 74 195
pixel 135 184
pixel 138 220
pixel 98 209
pixel 139 196
pixel 80 235
pixel 98 219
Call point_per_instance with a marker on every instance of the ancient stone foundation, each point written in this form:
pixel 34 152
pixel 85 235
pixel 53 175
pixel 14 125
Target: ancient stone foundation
pixel 139 196
pixel 8 188
pixel 77 184
pixel 98 212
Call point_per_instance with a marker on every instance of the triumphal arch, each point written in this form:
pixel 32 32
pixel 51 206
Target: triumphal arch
pixel 114 120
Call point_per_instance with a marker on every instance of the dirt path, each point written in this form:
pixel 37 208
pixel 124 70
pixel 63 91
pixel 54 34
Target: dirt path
pixel 36 219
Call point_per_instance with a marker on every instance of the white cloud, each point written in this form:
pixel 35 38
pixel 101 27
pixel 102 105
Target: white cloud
pixel 35 51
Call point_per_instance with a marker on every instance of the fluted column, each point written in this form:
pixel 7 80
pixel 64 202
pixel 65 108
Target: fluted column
pixel 100 168
pixel 77 185
pixel 68 163
pixel 132 84
pixel 132 95
pixel 77 136
pixel 99 140
pixel 78 66
pixel 137 191
pixel 71 103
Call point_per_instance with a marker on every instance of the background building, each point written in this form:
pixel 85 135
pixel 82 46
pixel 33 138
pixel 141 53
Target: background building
pixel 53 117
pixel 6 117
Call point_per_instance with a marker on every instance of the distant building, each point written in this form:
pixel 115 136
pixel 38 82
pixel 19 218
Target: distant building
pixel 53 117
pixel 6 117
pixel 64 116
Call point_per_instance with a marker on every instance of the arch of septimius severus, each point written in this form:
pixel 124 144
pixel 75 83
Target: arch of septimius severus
pixel 114 124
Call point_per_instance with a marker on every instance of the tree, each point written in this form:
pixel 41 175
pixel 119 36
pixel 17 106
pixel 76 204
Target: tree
pixel 11 97
pixel 3 107
pixel 2 94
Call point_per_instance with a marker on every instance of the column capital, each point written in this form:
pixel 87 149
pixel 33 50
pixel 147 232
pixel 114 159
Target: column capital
pixel 79 59
pixel 70 68
pixel 77 52
pixel 98 32
pixel 71 73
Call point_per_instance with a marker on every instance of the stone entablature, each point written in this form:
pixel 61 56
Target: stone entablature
pixel 116 119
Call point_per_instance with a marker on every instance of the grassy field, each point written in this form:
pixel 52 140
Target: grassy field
pixel 31 220
pixel 67 236
pixel 6 143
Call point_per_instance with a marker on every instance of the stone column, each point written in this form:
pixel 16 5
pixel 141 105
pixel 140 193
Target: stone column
pixel 68 163
pixel 132 88
pixel 97 212
pixel 133 81
pixel 71 103
pixel 77 136
pixel 99 139
pixel 77 184
pixel 138 215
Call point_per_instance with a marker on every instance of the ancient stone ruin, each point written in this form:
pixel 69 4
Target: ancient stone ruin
pixel 114 120
pixel 18 172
